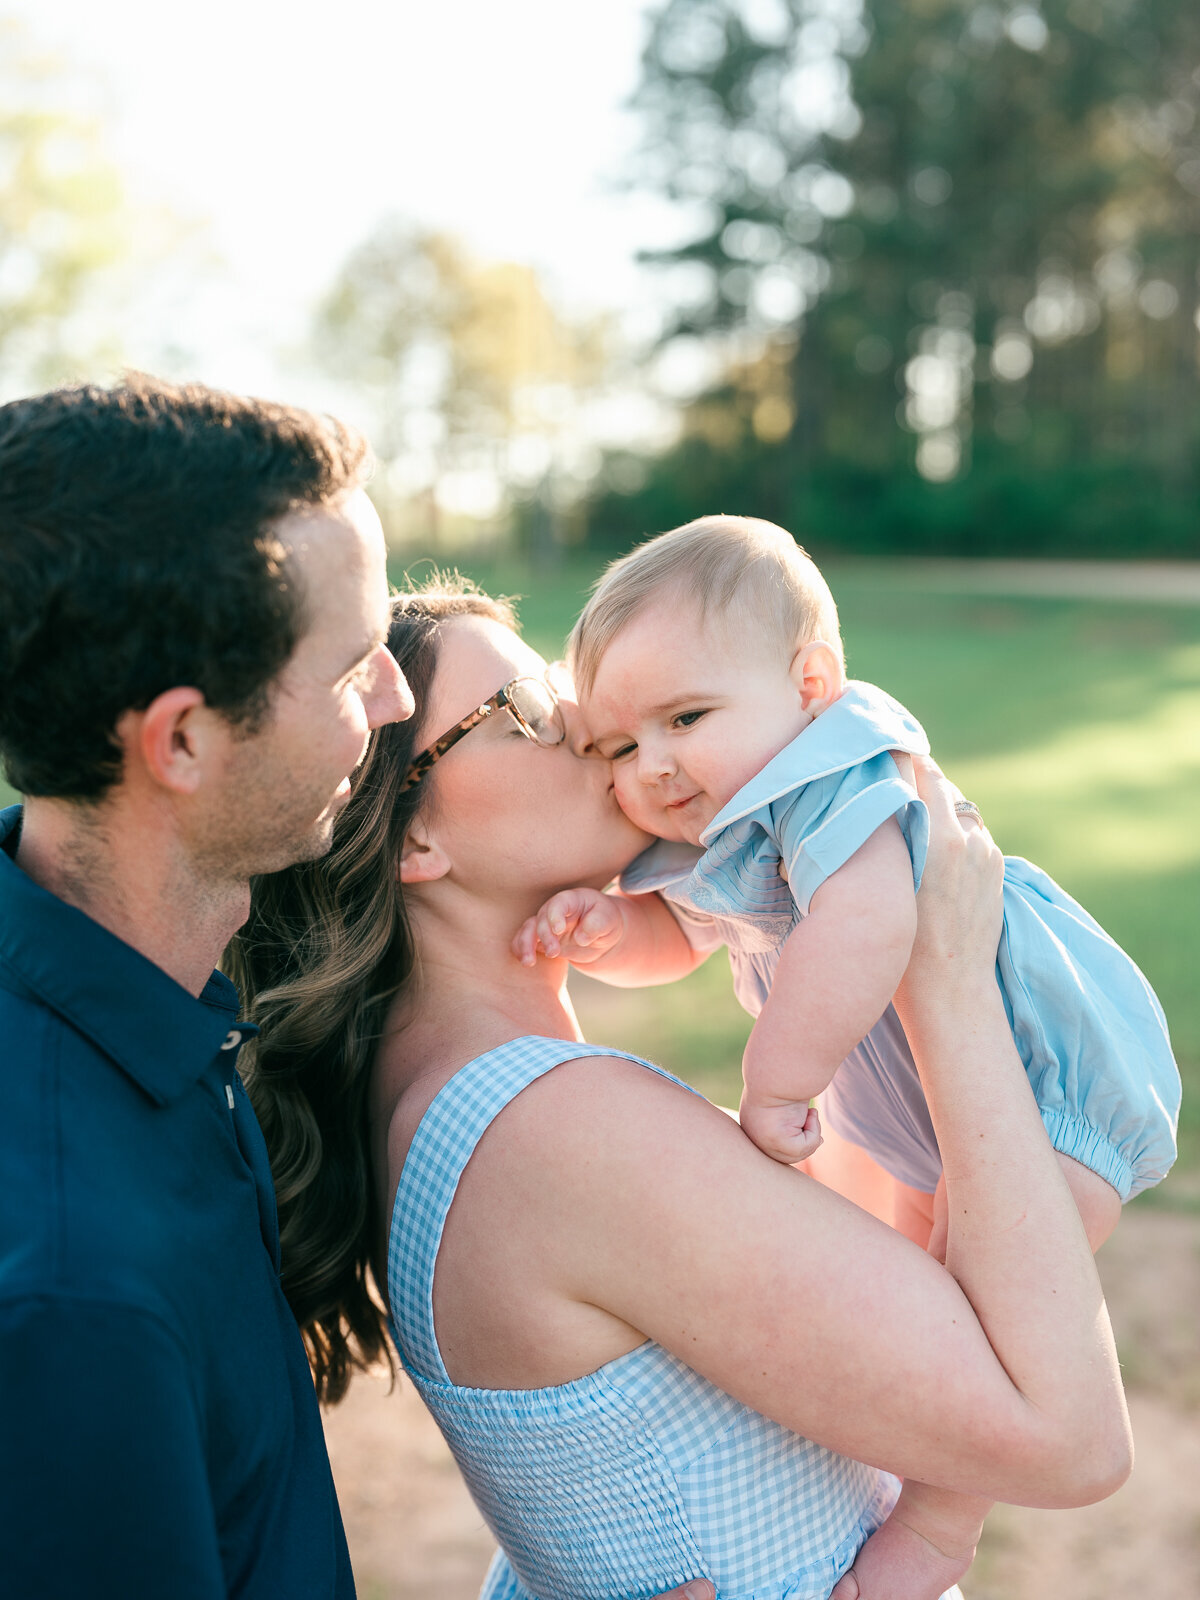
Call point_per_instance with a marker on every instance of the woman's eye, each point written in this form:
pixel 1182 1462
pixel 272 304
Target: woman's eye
pixel 688 719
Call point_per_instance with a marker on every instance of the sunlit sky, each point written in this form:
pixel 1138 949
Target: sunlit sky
pixel 289 130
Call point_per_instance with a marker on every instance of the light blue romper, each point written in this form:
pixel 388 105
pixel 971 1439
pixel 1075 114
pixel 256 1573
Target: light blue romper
pixel 638 1476
pixel 1087 1025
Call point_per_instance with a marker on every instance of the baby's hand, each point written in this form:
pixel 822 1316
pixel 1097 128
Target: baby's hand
pixel 788 1133
pixel 580 924
pixel 896 1563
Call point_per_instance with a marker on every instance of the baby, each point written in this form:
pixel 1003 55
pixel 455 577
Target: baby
pixel 710 670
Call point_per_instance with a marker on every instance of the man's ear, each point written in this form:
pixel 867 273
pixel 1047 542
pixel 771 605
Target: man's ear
pixel 173 739
pixel 818 676
pixel 422 859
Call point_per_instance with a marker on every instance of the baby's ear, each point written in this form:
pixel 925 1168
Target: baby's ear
pixel 818 676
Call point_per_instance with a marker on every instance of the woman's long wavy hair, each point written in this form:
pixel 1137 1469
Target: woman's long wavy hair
pixel 326 949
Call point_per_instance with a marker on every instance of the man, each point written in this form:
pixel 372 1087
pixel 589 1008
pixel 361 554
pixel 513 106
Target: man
pixel 193 603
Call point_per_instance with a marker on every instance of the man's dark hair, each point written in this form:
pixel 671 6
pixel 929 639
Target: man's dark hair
pixel 137 554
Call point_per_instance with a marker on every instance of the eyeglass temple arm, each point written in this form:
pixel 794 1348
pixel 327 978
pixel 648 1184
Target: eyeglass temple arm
pixel 448 740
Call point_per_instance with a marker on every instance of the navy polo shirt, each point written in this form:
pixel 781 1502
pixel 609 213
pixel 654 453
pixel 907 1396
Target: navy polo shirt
pixel 159 1433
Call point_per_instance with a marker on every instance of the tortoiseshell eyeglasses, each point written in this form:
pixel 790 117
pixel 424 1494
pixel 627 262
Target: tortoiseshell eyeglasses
pixel 532 703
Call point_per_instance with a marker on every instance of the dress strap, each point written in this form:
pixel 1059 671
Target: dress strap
pixel 454 1122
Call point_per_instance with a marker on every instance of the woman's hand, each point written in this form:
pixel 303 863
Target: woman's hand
pixel 960 907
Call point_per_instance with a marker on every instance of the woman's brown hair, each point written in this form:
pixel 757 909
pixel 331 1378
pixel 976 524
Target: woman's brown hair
pixel 325 950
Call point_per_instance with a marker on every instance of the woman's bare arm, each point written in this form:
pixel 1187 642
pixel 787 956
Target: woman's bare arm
pixel 804 1307
pixel 1011 1217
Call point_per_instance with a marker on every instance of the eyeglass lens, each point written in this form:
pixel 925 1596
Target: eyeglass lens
pixel 536 705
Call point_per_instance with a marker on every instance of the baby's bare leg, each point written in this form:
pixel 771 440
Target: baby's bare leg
pixel 913 1214
pixel 1099 1203
pixel 848 1170
pixel 937 1233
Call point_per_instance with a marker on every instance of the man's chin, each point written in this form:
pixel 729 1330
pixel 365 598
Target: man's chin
pixel 320 840
pixel 311 847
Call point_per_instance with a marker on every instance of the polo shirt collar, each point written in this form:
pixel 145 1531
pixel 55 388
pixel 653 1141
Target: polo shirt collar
pixel 147 1024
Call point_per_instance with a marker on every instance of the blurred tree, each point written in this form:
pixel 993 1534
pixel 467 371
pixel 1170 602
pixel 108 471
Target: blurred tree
pixel 471 373
pixel 955 236
pixel 63 219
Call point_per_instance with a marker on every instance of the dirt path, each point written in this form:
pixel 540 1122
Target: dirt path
pixel 415 1535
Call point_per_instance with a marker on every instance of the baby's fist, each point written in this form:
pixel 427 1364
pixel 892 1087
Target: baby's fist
pixel 579 924
pixel 787 1133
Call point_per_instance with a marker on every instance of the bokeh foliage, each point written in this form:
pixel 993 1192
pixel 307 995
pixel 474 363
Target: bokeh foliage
pixel 947 251
pixel 466 367
pixel 64 219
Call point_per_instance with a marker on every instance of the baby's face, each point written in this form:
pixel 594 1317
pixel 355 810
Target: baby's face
pixel 688 712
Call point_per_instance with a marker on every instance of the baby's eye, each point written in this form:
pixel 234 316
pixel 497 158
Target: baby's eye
pixel 622 751
pixel 688 719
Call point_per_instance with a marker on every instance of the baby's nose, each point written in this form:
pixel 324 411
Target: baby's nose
pixel 655 765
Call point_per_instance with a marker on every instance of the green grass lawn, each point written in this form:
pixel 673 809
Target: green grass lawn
pixel 1075 725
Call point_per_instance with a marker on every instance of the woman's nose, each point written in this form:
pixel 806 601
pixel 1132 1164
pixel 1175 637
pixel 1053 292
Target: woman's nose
pixel 579 736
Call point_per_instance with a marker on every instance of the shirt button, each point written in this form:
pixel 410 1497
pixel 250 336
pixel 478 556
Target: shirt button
pixel 232 1039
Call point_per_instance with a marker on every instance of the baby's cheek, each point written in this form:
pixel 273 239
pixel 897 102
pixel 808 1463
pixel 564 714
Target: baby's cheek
pixel 631 796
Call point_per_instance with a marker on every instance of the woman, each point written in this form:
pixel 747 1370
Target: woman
pixel 655 1352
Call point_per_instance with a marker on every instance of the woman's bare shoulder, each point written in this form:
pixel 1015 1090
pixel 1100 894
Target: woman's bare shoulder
pixel 551 1113
pixel 633 1104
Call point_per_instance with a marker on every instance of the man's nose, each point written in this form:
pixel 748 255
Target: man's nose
pixel 391 699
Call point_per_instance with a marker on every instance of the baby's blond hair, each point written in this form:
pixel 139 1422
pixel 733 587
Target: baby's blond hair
pixel 719 562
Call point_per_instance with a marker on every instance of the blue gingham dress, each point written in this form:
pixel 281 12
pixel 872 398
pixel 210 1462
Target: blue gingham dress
pixel 638 1476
